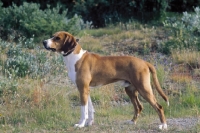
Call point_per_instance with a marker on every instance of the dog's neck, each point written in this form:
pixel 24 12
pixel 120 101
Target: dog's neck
pixel 75 50
pixel 71 60
pixel 67 53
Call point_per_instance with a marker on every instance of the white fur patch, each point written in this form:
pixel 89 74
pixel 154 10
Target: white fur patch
pixel 87 114
pixel 129 122
pixel 70 62
pixel 167 103
pixel 84 116
pixel 91 111
pixel 163 126
pixel 123 83
pixel 49 42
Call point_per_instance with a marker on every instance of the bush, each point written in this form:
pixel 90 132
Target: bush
pixel 28 20
pixel 189 22
pixel 20 61
pixel 185 31
pixel 102 12
pixel 17 67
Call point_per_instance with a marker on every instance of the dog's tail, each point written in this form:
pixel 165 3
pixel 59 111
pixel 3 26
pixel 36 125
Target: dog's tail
pixel 156 82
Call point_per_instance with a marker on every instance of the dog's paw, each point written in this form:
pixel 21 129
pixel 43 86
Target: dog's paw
pixel 163 126
pixel 79 125
pixel 129 122
pixel 89 122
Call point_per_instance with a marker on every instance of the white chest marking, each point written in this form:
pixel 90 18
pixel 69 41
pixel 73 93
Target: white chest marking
pixel 70 62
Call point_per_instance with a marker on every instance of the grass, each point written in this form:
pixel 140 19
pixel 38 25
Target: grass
pixel 91 44
pixel 100 32
pixel 48 102
pixel 187 56
pixel 120 39
pixel 55 112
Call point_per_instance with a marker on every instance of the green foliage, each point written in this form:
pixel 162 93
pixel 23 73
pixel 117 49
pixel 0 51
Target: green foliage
pixel 1 9
pixel 17 66
pixel 189 22
pixel 177 42
pixel 185 32
pixel 18 61
pixel 7 87
pixel 28 20
pixel 190 98
pixel 104 12
pixel 21 62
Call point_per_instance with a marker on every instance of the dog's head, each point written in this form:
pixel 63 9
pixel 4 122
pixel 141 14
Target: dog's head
pixel 62 42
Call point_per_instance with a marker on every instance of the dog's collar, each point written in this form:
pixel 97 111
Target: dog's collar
pixel 69 52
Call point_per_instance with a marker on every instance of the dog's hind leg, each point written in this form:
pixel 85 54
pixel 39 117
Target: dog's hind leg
pixel 133 95
pixel 147 94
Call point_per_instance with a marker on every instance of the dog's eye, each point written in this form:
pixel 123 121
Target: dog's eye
pixel 57 38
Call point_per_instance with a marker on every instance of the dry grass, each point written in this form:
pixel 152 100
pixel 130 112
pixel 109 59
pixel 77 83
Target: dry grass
pixel 118 39
pixel 181 78
pixel 187 56
pixel 91 44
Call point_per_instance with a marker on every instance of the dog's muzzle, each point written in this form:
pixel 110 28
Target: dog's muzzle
pixel 47 47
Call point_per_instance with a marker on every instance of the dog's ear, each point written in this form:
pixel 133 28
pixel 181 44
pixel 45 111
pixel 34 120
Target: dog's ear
pixel 69 43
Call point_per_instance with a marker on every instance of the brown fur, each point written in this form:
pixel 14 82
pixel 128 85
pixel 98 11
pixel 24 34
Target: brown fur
pixel 93 70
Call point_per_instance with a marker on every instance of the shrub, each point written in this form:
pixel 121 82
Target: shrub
pixel 20 61
pixel 185 33
pixel 28 20
pixel 17 66
pixel 189 22
pixel 102 12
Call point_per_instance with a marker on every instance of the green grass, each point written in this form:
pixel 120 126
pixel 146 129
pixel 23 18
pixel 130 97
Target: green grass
pixel 100 32
pixel 57 112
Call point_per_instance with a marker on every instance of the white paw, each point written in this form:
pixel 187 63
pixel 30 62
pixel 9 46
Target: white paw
pixel 79 125
pixel 129 122
pixel 163 126
pixel 89 122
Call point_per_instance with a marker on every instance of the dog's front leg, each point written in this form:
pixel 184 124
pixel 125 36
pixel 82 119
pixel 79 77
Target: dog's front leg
pixel 91 111
pixel 84 116
pixel 84 93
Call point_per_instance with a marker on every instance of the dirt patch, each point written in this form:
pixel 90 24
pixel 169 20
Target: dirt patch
pixel 189 124
pixel 181 124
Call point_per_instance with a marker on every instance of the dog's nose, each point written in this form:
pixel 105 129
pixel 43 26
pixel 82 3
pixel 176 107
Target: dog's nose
pixel 44 42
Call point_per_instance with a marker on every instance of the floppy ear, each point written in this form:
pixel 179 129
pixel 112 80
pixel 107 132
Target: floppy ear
pixel 69 43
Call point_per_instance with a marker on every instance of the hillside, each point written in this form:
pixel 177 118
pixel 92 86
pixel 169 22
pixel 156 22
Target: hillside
pixel 37 96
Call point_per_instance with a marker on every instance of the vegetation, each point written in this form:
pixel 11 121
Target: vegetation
pixel 185 31
pixel 37 96
pixel 29 20
pixel 103 12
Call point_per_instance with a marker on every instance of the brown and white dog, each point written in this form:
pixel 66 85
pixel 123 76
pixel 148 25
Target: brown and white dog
pixel 87 70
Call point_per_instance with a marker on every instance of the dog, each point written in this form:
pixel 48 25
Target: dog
pixel 87 70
